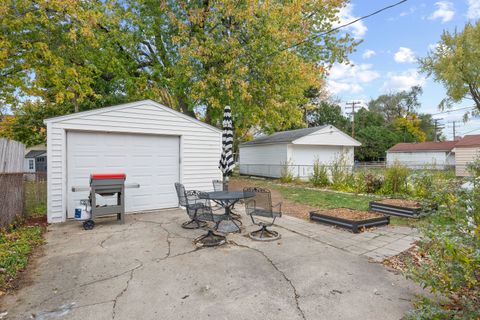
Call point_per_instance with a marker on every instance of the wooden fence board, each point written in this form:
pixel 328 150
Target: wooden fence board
pixel 12 154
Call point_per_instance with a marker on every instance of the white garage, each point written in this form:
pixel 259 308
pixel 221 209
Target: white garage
pixel 154 145
pixel 268 156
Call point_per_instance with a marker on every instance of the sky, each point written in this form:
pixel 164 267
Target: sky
pixel 392 41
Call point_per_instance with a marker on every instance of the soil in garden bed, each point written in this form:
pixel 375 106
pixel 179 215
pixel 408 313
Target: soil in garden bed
pixel 351 214
pixel 401 203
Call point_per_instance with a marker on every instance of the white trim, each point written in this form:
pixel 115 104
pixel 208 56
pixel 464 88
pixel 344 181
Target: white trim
pixel 331 129
pixel 128 105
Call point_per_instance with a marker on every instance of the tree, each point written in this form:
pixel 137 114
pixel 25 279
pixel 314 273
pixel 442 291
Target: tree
pixel 376 140
pixel 365 118
pixel 325 112
pixel 455 62
pixel 409 128
pixel 396 105
pixel 197 56
pixel 427 125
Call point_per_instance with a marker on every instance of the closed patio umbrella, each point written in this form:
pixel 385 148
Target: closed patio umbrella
pixel 226 160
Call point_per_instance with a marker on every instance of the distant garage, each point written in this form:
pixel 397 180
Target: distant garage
pixel 154 145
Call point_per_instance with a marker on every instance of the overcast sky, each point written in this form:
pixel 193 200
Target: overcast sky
pixel 386 59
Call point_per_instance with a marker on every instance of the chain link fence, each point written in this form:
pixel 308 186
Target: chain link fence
pixel 306 171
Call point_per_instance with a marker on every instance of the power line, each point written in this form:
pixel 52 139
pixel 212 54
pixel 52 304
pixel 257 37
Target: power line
pixel 339 27
pixel 452 110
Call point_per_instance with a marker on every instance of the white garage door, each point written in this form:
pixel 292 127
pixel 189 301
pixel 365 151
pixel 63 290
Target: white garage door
pixel 150 160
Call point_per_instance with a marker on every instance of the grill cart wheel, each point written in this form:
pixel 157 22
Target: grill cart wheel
pixel 89 224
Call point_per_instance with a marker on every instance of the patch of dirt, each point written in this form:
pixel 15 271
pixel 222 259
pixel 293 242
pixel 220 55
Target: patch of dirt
pixel 402 203
pixel 37 221
pixel 291 208
pixel 350 214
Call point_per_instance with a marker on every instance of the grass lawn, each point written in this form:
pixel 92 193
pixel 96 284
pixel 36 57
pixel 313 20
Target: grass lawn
pixel 328 199
pixel 324 199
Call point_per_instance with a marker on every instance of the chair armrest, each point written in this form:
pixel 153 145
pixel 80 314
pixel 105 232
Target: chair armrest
pixel 279 205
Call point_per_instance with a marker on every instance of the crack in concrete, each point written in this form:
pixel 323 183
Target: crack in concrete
pixel 119 295
pixel 295 292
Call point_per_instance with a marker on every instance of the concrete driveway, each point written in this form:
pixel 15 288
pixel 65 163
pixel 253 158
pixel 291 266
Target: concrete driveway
pixel 148 268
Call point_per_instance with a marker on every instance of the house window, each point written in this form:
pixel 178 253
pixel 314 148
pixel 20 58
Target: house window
pixel 30 164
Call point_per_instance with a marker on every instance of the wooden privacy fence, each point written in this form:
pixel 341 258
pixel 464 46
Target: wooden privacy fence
pixel 12 196
pixel 12 155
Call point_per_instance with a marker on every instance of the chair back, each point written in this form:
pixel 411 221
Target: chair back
pixel 262 198
pixel 181 194
pixel 219 185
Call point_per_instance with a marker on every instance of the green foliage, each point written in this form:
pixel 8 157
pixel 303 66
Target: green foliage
pixel 396 179
pixel 319 176
pixel 376 140
pixel 341 174
pixel 195 56
pixel 15 248
pixel 286 174
pixel 455 62
pixel 451 264
pixel 396 105
pixel 322 112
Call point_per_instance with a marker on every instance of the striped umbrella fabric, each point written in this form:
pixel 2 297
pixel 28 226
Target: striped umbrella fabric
pixel 226 160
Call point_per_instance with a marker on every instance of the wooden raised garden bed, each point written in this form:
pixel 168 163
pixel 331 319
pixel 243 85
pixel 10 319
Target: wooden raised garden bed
pixel 399 207
pixel 350 219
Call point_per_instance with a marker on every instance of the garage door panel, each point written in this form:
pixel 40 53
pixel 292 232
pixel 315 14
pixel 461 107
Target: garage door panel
pixel 152 161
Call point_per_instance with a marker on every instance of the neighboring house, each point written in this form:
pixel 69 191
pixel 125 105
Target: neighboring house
pixel 266 156
pixel 36 161
pixel 154 145
pixel 423 154
pixel 466 150
pixel 11 156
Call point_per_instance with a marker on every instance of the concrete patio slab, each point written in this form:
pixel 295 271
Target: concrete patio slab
pixel 149 268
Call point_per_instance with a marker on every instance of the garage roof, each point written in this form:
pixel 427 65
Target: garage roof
pixel 469 141
pixel 423 146
pixel 128 105
pixel 283 136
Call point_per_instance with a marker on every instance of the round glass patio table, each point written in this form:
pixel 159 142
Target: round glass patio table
pixel 227 199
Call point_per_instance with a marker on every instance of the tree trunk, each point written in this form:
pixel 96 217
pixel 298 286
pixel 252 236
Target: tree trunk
pixel 184 107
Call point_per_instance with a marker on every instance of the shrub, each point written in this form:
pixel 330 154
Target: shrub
pixel 373 183
pixel 341 174
pixel 450 251
pixel 319 176
pixel 396 179
pixel 286 175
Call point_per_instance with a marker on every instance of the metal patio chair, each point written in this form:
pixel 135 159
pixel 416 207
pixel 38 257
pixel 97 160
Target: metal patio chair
pixel 205 213
pixel 193 204
pixel 261 206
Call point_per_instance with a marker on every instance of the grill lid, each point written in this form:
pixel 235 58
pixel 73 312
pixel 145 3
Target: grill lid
pixel 96 176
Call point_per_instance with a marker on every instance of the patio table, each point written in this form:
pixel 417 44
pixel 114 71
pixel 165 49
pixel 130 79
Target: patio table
pixel 227 199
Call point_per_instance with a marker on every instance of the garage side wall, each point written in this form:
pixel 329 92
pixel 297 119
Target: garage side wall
pixel 417 160
pixel 263 160
pixel 462 157
pixel 200 146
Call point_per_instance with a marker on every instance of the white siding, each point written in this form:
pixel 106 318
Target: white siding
pixel 418 160
pixel 263 160
pixel 304 156
pixel 464 155
pixel 200 144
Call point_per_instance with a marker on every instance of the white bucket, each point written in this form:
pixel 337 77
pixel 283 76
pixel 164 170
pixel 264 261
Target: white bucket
pixel 82 213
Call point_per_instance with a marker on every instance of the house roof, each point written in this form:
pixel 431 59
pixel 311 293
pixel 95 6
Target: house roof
pixel 35 153
pixel 423 146
pixel 283 136
pixel 469 141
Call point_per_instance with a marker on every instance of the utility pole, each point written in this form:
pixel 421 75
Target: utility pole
pixel 453 130
pixel 353 105
pixel 437 127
